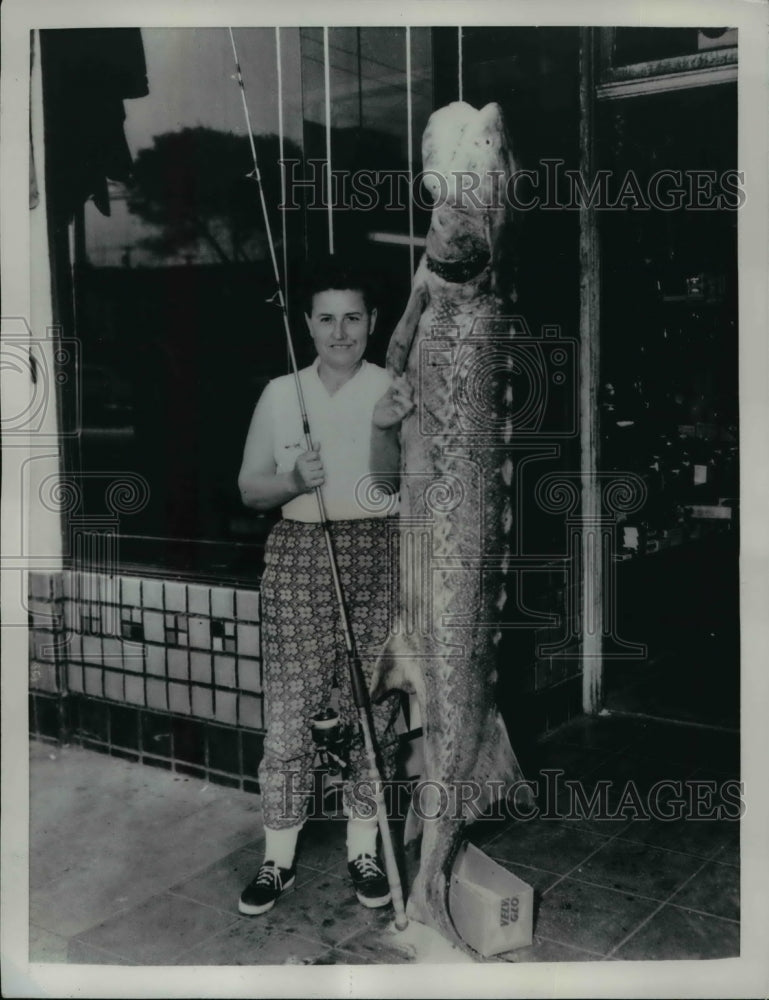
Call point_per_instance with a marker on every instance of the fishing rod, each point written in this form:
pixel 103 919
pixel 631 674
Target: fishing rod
pixel 357 680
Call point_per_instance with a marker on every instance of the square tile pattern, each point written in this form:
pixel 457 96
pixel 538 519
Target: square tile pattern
pixel 633 889
pixel 190 649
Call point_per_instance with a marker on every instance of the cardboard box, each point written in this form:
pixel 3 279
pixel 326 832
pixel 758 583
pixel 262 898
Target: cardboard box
pixel 492 909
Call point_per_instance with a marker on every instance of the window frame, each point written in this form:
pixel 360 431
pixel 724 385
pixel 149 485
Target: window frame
pixel 697 69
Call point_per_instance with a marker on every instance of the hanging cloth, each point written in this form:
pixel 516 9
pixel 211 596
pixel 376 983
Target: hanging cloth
pixel 87 74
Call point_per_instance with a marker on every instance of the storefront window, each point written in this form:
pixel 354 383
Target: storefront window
pixel 175 290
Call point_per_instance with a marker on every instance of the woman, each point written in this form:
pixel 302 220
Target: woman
pixel 355 410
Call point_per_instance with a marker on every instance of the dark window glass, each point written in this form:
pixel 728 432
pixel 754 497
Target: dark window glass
pixel 640 45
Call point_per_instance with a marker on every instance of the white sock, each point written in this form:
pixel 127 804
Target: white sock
pixel 280 845
pixel 361 837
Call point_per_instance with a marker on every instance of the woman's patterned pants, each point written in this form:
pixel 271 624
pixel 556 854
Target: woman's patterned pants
pixel 304 654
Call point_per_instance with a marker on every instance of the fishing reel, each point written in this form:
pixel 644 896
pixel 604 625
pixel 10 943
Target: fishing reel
pixel 332 739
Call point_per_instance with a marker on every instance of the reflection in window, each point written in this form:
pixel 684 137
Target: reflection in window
pixel 363 115
pixel 360 116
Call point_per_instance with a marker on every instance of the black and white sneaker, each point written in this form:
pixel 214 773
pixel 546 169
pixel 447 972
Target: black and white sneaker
pixel 260 894
pixel 369 881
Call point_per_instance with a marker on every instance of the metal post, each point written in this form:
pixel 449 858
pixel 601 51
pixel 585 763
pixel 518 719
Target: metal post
pixel 589 373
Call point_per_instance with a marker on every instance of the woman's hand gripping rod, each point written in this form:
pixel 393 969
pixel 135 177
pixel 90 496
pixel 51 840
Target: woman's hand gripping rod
pixel 357 680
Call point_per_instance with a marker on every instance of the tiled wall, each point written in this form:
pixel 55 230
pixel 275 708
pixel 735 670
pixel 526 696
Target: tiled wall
pixel 159 671
pixel 169 673
pixel 164 645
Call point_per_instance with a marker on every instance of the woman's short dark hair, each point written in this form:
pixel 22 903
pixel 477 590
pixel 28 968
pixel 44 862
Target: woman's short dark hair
pixel 337 273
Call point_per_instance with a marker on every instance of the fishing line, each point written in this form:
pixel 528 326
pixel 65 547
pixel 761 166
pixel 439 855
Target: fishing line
pixel 460 66
pixel 281 137
pixel 410 154
pixel 359 689
pixel 327 103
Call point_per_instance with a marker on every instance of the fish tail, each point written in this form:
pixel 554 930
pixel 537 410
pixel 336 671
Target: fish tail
pixel 428 900
pixel 416 907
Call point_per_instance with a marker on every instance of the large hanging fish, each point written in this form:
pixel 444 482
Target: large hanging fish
pixel 456 510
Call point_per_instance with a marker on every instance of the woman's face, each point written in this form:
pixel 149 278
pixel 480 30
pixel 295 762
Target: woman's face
pixel 340 326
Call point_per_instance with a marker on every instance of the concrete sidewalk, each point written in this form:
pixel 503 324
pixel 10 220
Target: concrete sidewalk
pixel 136 866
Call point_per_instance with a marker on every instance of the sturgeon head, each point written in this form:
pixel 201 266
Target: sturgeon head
pixel 456 513
pixel 466 162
